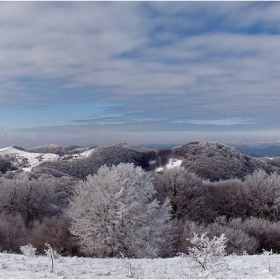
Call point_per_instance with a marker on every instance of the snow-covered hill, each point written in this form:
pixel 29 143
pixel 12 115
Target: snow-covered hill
pixel 14 266
pixel 209 160
pixel 26 160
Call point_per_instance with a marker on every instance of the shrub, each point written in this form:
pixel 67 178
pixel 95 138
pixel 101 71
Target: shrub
pixel 206 251
pixel 56 232
pixel 13 232
pixel 184 232
pixel 267 233
pixel 238 241
pixel 28 250
pixel 260 196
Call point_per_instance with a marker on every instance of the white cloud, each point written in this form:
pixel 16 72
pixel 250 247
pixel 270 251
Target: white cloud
pixel 170 61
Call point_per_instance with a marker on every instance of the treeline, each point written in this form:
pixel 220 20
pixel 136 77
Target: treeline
pixel 59 150
pixel 246 211
pixel 209 160
pixel 27 203
pixel 173 204
pixel 109 155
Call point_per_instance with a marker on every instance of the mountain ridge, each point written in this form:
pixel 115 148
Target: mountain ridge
pixel 208 159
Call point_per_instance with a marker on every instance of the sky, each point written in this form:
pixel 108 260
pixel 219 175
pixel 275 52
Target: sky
pixel 99 73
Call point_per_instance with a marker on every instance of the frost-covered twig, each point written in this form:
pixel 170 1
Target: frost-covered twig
pixel 51 254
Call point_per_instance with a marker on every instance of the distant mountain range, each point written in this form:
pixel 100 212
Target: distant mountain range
pixel 209 160
pixel 258 149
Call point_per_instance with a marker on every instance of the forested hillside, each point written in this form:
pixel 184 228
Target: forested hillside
pixel 109 155
pixel 214 161
pixel 125 200
pixel 209 160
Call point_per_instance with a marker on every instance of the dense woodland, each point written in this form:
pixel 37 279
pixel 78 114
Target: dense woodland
pixel 117 202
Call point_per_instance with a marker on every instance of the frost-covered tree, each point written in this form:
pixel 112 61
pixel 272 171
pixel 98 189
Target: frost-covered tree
pixel 261 195
pixel 115 212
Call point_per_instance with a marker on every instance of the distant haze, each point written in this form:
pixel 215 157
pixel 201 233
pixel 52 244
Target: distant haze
pixel 98 73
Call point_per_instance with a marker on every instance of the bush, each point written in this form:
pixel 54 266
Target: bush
pixel 267 233
pixel 206 251
pixel 28 250
pixel 238 241
pixel 260 196
pixel 13 232
pixel 184 232
pixel 56 232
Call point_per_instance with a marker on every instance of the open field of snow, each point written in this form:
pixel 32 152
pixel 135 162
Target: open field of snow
pixel 20 266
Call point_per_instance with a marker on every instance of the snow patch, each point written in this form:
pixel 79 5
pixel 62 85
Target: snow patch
pixel 84 154
pixel 172 162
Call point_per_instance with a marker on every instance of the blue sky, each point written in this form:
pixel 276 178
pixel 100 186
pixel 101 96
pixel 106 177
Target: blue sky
pixel 141 72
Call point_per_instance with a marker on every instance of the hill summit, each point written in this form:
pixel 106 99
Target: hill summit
pixel 214 161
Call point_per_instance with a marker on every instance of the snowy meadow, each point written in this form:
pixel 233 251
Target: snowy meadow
pixel 254 266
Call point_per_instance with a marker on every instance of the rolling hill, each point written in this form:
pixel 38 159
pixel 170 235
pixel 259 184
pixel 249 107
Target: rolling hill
pixel 209 160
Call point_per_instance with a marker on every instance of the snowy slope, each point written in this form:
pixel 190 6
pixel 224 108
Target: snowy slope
pixel 27 160
pixel 14 266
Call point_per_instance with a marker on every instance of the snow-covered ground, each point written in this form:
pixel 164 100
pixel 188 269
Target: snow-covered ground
pixel 20 266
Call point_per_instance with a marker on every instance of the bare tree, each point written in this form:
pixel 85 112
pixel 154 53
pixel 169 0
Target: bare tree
pixel 32 199
pixel 185 191
pixel 13 232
